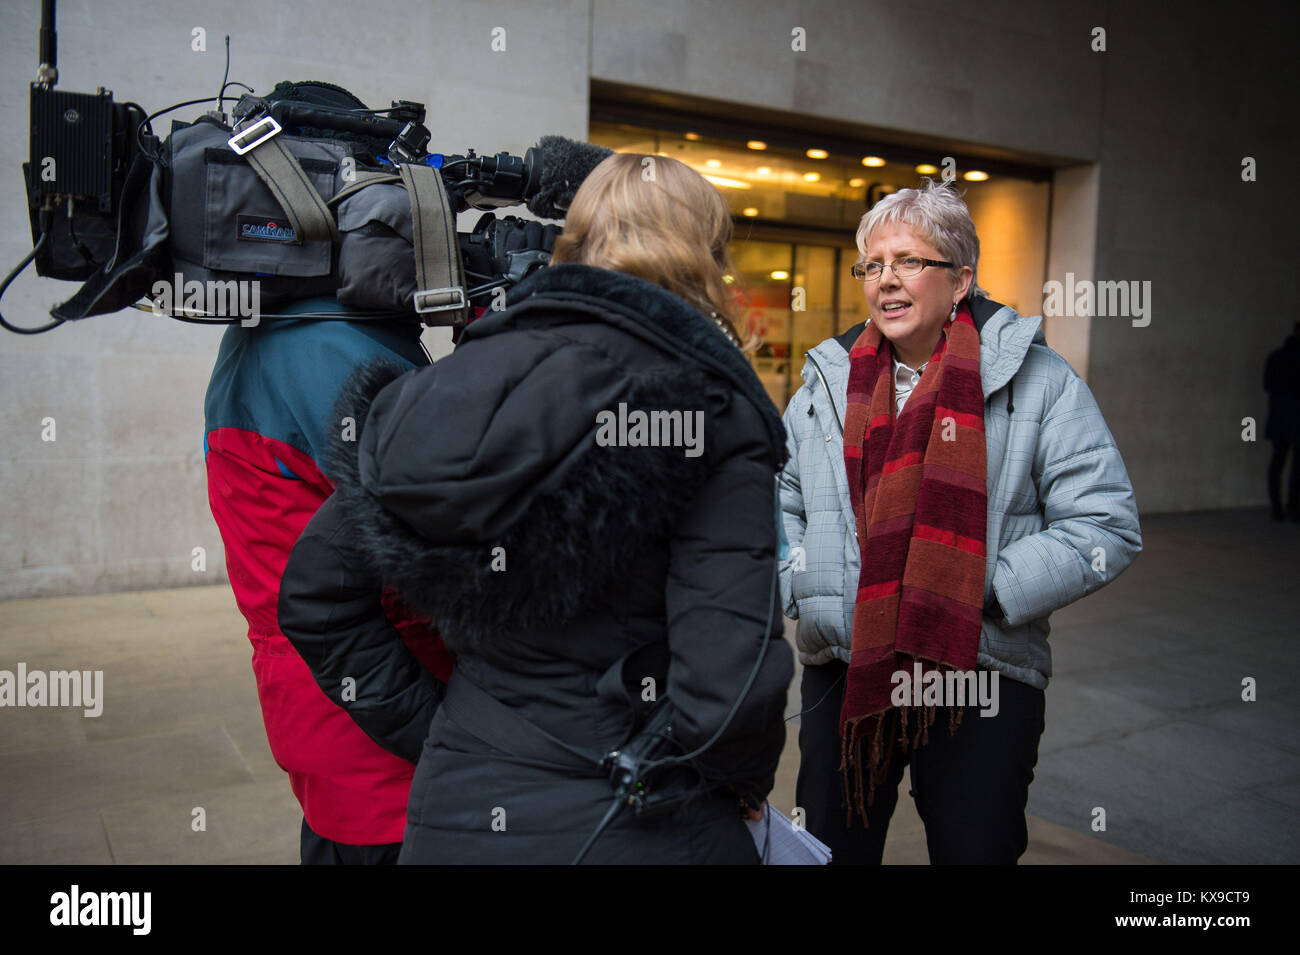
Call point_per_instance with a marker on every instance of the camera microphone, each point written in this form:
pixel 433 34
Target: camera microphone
pixel 565 164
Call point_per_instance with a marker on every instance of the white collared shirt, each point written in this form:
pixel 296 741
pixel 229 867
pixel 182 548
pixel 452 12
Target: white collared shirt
pixel 905 379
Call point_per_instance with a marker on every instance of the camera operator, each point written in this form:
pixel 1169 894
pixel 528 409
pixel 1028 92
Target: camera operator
pixel 268 426
pixel 576 569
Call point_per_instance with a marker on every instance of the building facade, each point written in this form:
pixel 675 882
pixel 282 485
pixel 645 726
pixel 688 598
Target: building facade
pixel 1138 145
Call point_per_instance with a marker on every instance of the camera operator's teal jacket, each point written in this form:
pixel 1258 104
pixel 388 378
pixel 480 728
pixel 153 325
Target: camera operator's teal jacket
pixel 1062 519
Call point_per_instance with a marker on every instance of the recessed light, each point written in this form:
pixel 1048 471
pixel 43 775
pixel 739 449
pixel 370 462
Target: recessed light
pixel 729 183
pixel 764 170
pixel 693 137
pixel 816 154
pixel 926 169
pixel 812 177
pixel 872 161
pixel 713 163
pixel 751 212
pixel 756 144
pixel 857 183
pixel 780 275
pixel 975 175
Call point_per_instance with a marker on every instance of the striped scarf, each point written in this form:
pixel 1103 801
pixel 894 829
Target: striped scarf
pixel 917 485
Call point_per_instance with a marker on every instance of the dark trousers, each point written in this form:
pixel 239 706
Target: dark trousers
pixel 317 850
pixel 1276 464
pixel 970 788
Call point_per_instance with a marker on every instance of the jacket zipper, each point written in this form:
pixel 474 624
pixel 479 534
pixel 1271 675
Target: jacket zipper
pixel 826 388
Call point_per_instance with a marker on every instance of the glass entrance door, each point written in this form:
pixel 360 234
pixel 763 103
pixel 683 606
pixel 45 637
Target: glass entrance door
pixel 793 296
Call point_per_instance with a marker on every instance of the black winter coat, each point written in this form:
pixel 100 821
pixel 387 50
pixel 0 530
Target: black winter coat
pixel 479 489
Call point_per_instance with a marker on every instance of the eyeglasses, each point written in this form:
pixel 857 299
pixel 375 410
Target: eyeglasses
pixel 905 268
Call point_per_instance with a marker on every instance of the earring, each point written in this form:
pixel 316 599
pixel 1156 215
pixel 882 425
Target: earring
pixel 952 316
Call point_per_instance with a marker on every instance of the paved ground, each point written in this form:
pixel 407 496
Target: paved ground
pixel 1144 720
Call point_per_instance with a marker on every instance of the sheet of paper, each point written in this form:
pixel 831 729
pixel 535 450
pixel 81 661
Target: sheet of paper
pixel 779 842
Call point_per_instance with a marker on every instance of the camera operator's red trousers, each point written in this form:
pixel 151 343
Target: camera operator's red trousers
pixel 263 493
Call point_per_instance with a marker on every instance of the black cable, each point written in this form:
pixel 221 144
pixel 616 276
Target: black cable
pixel 480 290
pixel 735 708
pixel 372 112
pixel 819 702
pixel 156 158
pixel 76 242
pixel 139 143
pixel 147 122
pixel 46 221
pixel 200 321
pixel 591 840
pixel 355 316
pixel 236 83
pixel 189 102
pixel 221 93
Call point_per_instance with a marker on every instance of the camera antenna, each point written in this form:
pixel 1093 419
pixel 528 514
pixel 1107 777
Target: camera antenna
pixel 221 94
pixel 47 74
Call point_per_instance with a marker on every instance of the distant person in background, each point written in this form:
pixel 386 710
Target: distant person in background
pixel 1282 382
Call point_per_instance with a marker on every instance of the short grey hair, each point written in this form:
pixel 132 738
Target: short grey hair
pixel 937 212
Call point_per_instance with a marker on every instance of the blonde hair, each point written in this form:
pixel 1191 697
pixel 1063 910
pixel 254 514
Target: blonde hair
pixel 658 219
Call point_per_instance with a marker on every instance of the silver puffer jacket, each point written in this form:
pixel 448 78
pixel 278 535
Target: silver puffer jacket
pixel 1062 519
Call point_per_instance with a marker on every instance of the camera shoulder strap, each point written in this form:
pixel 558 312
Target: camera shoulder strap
pixel 307 212
pixel 440 283
pixel 362 180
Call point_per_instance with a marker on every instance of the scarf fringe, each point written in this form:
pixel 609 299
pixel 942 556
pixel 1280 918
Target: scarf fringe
pixel 882 734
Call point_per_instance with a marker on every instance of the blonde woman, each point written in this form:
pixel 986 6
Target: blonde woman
pixel 582 498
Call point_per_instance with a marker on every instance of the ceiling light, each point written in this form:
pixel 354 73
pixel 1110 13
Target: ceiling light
pixel 756 144
pixel 692 136
pixel 857 183
pixel 872 161
pixel 925 169
pixel 780 275
pixel 817 154
pixel 729 183
pixel 764 170
pixel 751 212
pixel 713 163
pixel 975 175
pixel 812 177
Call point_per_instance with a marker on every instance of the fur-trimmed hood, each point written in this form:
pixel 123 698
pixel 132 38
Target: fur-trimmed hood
pixel 477 487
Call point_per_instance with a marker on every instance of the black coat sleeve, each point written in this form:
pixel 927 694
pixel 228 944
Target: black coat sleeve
pixel 723 607
pixel 331 611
